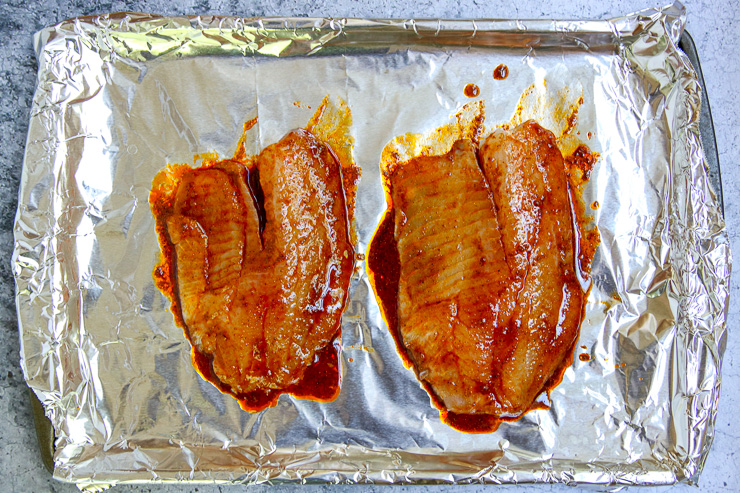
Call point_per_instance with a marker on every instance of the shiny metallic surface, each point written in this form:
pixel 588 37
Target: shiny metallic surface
pixel 121 96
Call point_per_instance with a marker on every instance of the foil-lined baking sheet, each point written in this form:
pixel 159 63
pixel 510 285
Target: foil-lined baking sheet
pixel 121 96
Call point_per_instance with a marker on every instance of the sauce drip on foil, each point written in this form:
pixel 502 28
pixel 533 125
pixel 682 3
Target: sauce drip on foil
pixel 501 72
pixel 471 90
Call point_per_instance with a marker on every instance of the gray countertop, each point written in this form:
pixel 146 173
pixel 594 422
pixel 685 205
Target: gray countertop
pixel 714 25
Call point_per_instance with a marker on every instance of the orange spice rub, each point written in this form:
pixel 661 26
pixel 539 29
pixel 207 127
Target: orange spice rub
pixel 474 266
pixel 256 259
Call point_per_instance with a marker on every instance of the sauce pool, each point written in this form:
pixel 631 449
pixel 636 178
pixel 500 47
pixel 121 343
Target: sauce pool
pixel 320 382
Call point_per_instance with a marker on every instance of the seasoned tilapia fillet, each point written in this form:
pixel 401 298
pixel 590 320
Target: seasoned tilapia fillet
pixel 525 170
pixel 488 300
pixel 263 259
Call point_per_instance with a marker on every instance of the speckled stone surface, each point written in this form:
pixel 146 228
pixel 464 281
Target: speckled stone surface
pixel 714 24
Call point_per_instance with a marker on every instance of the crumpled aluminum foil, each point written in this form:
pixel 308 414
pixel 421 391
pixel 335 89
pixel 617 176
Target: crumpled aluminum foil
pixel 122 95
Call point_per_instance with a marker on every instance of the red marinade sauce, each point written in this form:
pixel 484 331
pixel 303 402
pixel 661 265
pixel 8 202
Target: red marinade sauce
pixel 501 72
pixel 471 90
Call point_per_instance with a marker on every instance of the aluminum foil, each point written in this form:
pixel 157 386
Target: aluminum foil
pixel 120 96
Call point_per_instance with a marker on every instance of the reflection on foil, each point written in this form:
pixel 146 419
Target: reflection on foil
pixel 120 95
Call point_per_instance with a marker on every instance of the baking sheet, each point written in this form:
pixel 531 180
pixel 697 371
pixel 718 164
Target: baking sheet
pixel 120 96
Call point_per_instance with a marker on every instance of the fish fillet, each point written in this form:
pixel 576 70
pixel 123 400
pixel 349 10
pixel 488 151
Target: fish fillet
pixel 262 259
pixel 489 304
